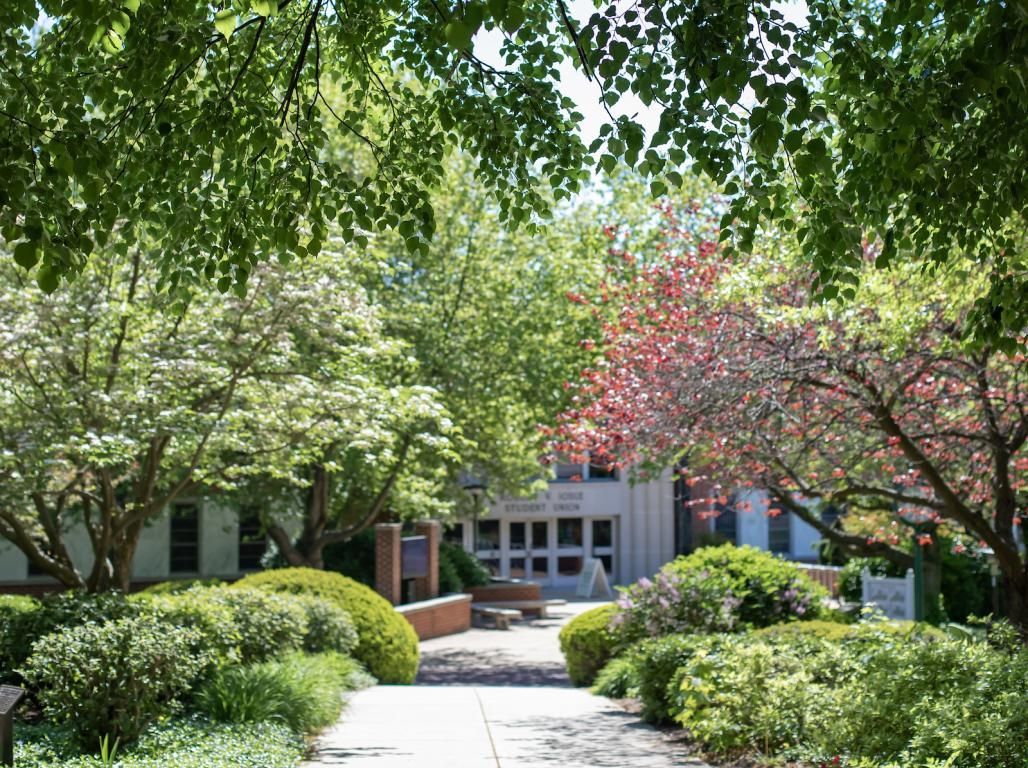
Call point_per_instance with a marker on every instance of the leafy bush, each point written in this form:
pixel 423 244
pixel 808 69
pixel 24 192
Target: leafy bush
pixel 468 569
pixel 387 644
pixel 213 621
pixel 25 620
pixel 354 558
pixel 619 679
pixel 180 585
pixel 113 678
pixel 850 577
pixel 329 627
pixel 656 662
pixel 765 589
pixel 959 704
pixel 266 625
pixel 588 642
pixel 867 632
pixel 303 692
pixel 673 603
pixel 186 743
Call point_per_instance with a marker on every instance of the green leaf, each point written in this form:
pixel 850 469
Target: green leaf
pixel 264 7
pixel 131 5
pixel 26 254
pixel 458 35
pixel 47 280
pixel 225 22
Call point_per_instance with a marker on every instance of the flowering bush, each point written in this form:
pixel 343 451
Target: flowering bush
pixel 674 603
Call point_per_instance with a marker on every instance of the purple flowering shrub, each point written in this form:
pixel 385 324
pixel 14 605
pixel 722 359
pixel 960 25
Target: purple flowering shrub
pixel 717 589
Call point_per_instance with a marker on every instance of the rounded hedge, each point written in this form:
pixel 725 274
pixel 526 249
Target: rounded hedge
pixel 386 645
pixel 871 632
pixel 588 643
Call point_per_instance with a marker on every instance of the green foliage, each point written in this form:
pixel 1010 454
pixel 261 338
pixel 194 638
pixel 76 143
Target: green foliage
pixel 267 625
pixel 212 621
pixel 463 569
pixel 114 678
pixel 354 558
pixel 619 679
pixel 180 585
pixel 329 626
pixel 303 692
pixel 767 588
pixel 656 661
pixel 387 644
pixel 868 632
pixel 26 620
pixel 588 643
pixel 183 743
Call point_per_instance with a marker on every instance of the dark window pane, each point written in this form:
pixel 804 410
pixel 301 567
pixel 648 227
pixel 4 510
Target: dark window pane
pixel 492 565
pixel 252 542
pixel 569 566
pixel 517 535
pixel 540 567
pixel 830 514
pixel 608 563
pixel 487 535
pixel 569 471
pixel 569 532
pixel 454 534
pixel 540 537
pixel 603 533
pixel 602 472
pixel 517 568
pixel 185 539
pixel 725 524
pixel 778 532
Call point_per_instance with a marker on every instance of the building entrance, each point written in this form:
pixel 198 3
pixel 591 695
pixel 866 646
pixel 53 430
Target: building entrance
pixel 551 551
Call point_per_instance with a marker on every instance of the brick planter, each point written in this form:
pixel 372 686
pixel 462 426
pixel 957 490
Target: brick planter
pixel 503 591
pixel 446 615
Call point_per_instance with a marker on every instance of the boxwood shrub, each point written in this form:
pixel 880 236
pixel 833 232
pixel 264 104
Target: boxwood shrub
pixel 113 678
pixel 386 645
pixel 588 643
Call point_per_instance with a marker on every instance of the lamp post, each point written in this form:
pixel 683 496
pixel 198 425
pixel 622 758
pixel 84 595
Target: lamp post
pixel 921 523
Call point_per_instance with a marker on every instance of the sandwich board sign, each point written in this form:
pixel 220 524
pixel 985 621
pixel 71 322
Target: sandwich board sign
pixel 9 697
pixel 591 578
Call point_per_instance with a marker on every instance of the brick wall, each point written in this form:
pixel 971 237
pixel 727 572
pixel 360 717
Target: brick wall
pixel 441 616
pixel 387 561
pixel 519 590
pixel 427 588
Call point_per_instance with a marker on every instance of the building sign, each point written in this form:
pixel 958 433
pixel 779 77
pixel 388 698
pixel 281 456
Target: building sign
pixel 414 556
pixel 893 596
pixel 550 503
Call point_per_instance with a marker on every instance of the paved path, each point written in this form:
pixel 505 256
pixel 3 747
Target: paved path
pixel 493 699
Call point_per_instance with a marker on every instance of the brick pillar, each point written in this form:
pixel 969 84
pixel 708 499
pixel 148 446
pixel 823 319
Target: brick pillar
pixel 428 587
pixel 387 562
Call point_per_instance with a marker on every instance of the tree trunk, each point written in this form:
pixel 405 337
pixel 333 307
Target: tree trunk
pixel 123 552
pixel 1014 600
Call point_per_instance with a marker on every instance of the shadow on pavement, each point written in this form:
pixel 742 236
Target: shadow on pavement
pixel 488 667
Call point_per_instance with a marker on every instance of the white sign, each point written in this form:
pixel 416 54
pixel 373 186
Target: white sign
pixel 893 596
pixel 592 577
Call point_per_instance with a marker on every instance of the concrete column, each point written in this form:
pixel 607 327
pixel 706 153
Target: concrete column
pixel 427 587
pixel 388 563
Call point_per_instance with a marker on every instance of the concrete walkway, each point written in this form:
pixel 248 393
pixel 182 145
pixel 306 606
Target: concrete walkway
pixel 494 699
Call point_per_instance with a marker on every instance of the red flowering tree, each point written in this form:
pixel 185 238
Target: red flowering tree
pixel 875 406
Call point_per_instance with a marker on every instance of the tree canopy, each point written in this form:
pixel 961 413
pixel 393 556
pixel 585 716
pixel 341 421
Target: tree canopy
pixel 208 125
pixel 878 407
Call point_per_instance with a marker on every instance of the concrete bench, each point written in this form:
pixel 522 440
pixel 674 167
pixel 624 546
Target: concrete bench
pixel 500 616
pixel 536 607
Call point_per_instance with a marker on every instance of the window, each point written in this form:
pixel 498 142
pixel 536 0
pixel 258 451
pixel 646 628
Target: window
pixel 603 533
pixel 517 568
pixel 569 472
pixel 569 532
pixel 253 542
pixel 602 472
pixel 487 535
pixel 573 472
pixel 830 514
pixel 454 534
pixel 540 535
pixel 569 566
pixel 185 539
pixel 726 523
pixel 517 535
pixel 778 539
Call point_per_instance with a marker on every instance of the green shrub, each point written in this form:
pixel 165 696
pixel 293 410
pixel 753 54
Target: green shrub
pixel 868 632
pixel 619 679
pixel 113 678
pixel 354 558
pixel 387 644
pixel 181 743
pixel 213 621
pixel 656 662
pixel 449 578
pixel 267 624
pixel 469 570
pixel 180 585
pixel 329 627
pixel 952 703
pixel 24 622
pixel 303 692
pixel 588 642
pixel 16 613
pixel 766 589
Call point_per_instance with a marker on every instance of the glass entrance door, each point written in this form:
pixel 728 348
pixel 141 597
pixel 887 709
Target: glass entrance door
pixel 601 543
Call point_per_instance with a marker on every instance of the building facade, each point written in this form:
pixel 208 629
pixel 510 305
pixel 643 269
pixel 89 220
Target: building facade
pixel 193 539
pixel 633 529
